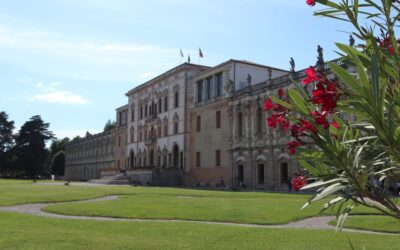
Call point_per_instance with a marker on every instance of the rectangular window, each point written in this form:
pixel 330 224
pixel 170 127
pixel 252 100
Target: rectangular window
pixel 200 91
pixel 141 112
pixel 145 111
pixel 198 159
pixel 218 84
pixel 166 104
pixel 133 115
pixel 218 157
pixel 208 88
pixel 159 106
pixel 198 123
pixel 176 99
pixel 218 119
pixel 119 141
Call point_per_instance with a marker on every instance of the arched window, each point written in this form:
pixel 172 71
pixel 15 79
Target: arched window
pixel 166 103
pixel 132 134
pixel 176 99
pixel 240 124
pixel 132 159
pixel 165 129
pixel 259 120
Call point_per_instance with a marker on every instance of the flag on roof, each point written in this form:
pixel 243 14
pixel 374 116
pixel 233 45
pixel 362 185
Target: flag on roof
pixel 200 53
pixel 181 53
pixel 188 58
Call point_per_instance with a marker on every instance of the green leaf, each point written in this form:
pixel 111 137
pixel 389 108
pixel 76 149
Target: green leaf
pixel 375 79
pixel 281 102
pixel 298 101
pixel 328 191
pixel 346 77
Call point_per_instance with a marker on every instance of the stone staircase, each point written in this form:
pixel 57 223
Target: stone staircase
pixel 118 179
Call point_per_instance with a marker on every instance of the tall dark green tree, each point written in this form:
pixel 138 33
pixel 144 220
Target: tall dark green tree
pixel 6 141
pixel 31 146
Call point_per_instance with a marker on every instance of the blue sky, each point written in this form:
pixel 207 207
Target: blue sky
pixel 72 61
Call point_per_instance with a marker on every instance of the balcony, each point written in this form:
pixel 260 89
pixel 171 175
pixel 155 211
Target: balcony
pixel 151 140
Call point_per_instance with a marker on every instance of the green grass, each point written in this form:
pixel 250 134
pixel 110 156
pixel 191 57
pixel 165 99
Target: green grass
pixel 30 232
pixel 372 223
pixel 158 203
pixel 22 192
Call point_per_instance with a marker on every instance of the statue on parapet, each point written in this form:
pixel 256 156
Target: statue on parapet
pixel 248 80
pixel 320 58
pixel 292 65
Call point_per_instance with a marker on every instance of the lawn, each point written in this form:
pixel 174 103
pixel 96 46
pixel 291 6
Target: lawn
pixel 373 223
pixel 13 192
pixel 254 208
pixel 30 232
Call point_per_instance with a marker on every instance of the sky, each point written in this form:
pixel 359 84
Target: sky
pixel 72 61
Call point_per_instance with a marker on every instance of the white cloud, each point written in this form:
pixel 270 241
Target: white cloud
pixel 39 85
pixel 62 56
pixel 50 93
pixel 64 97
pixel 146 75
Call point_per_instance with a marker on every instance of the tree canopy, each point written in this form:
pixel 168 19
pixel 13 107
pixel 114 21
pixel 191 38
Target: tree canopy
pixel 31 146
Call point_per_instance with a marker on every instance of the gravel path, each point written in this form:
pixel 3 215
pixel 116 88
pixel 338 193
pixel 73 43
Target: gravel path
pixel 320 223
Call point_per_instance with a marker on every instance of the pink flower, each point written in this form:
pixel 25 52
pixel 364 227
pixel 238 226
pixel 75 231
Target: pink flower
pixel 281 93
pixel 335 124
pixel 292 146
pixel 311 75
pixel 269 105
pixel 310 2
pixel 320 118
pixel 327 97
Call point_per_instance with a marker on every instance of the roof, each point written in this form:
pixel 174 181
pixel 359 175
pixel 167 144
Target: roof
pixel 243 62
pixel 126 106
pixel 165 74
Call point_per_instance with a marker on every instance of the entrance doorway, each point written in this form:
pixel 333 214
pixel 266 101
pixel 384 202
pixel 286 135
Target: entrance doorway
pixel 240 175
pixel 261 173
pixel 284 172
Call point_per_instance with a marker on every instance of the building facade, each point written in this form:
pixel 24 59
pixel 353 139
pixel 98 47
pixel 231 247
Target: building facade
pixel 196 126
pixel 157 126
pixel 86 157
pixel 218 142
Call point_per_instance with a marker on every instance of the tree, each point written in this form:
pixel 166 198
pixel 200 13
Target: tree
pixel 109 125
pixel 6 141
pixel 56 146
pixel 58 163
pixel 31 146
pixel 346 128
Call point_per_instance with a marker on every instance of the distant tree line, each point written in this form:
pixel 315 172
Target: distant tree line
pixel 24 154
